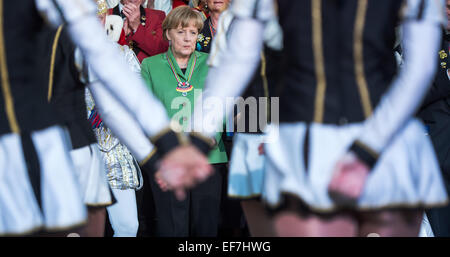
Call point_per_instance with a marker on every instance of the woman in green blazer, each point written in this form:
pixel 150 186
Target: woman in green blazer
pixel 173 77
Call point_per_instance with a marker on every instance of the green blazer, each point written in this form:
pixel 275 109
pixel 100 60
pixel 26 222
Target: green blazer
pixel 161 81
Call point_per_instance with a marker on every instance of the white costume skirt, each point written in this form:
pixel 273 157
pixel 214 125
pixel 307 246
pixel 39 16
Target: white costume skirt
pixel 91 171
pixel 407 174
pixel 61 204
pixel 245 179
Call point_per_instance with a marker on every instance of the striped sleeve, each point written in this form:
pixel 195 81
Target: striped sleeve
pixel 428 10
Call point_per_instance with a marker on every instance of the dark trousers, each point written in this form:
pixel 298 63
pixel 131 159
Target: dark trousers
pixel 146 207
pixel 196 216
pixel 232 221
pixel 439 218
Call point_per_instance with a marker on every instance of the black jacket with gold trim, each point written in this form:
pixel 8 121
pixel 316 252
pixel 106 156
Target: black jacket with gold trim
pixel 435 111
pixel 338 56
pixel 65 91
pixel 23 102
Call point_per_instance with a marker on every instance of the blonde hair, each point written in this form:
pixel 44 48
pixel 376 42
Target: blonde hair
pixel 183 15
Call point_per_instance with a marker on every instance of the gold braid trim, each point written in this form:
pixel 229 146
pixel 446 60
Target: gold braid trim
pixel 149 156
pixel 6 88
pixel 359 57
pixel 52 63
pixel 316 11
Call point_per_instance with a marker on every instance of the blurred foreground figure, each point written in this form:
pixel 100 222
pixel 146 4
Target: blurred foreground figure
pixel 42 192
pixel 435 112
pixel 246 171
pixel 347 158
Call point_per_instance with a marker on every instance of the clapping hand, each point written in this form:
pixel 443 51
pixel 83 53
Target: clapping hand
pixel 126 28
pixel 133 16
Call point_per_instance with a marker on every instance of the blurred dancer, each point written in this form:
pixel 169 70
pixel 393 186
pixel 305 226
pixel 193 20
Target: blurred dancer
pixel 123 172
pixel 246 174
pixel 44 185
pixel 66 94
pixel 344 113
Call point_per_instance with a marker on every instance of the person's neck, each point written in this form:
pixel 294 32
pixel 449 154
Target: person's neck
pixel 214 18
pixel 182 61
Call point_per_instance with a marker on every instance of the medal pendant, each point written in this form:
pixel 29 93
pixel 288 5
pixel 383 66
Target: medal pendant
pixel 184 88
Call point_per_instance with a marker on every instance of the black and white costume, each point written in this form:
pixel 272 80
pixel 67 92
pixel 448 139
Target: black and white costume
pixel 340 92
pixel 247 164
pixel 66 94
pixel 42 192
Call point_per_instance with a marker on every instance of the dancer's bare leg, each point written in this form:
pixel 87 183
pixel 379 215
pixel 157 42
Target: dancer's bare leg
pixel 95 226
pixel 72 232
pixel 401 223
pixel 259 223
pixel 291 224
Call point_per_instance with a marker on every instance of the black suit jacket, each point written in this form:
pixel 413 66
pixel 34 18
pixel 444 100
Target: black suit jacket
pixel 435 111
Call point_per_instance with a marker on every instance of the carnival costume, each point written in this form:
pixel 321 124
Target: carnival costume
pixel 341 93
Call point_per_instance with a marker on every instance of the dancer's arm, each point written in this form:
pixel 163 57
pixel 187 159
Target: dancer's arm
pixel 121 122
pixel 234 62
pixel 421 40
